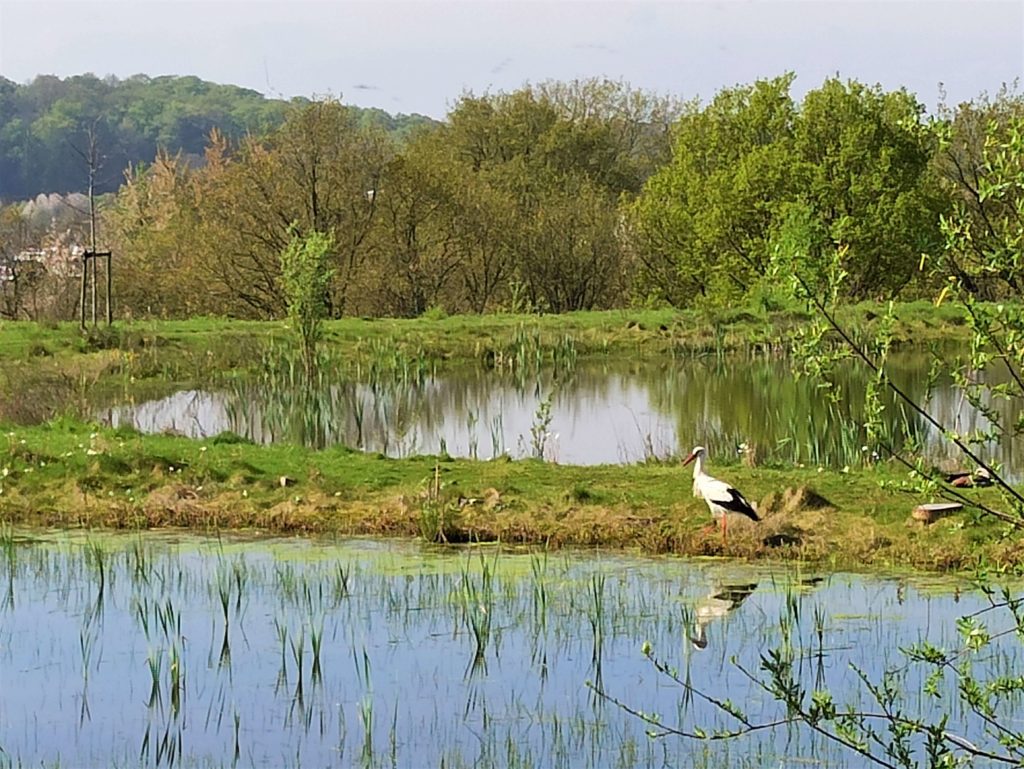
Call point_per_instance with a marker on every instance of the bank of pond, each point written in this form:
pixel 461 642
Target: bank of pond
pixel 505 429
pixel 72 474
pixel 473 544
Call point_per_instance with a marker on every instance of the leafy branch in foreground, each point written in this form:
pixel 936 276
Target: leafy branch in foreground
pixel 982 255
pixel 887 734
pixel 989 377
pixel 820 365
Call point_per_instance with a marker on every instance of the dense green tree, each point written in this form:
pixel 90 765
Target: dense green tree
pixel 849 166
pixel 871 184
pixel 630 129
pixel 469 218
pixel 704 220
pixel 554 160
pixel 415 249
pixel 572 258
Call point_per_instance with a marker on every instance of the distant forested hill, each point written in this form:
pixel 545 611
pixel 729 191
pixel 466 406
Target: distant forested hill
pixel 45 125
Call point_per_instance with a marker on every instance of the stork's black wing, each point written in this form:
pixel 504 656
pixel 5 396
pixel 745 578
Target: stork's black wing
pixel 737 503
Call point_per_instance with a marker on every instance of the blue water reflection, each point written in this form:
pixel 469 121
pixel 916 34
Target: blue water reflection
pixel 91 631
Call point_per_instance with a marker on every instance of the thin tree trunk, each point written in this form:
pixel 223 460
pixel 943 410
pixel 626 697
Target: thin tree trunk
pixel 92 219
pixel 94 290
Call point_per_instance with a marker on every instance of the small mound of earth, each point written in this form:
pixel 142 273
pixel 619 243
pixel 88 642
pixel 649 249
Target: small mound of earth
pixel 791 515
pixel 792 501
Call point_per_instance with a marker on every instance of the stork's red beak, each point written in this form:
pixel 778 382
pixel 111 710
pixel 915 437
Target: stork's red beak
pixel 690 457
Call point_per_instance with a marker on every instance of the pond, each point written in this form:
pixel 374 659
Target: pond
pixel 597 411
pixel 172 650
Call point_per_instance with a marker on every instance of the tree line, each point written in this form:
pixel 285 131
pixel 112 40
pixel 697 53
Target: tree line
pixel 568 196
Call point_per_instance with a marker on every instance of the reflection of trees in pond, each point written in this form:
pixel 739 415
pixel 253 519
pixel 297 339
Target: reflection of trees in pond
pixel 721 404
pixel 950 406
pixel 606 410
pixel 725 402
pixel 341 413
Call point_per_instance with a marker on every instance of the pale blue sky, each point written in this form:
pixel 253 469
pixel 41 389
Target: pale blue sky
pixel 419 55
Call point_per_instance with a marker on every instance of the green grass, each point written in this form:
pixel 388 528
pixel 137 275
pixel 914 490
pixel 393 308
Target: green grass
pixel 68 473
pixel 61 471
pixel 63 368
pixel 471 336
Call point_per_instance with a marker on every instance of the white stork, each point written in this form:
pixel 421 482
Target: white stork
pixel 722 498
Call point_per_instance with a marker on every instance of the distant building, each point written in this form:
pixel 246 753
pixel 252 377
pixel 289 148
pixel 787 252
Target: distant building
pixel 61 260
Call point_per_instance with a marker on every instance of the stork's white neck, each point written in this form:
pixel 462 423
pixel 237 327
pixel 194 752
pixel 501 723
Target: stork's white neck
pixel 698 465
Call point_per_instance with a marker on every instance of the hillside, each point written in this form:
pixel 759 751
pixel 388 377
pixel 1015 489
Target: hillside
pixel 45 125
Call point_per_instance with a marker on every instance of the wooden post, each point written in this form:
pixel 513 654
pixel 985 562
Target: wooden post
pixel 92 219
pixel 94 289
pixel 110 292
pixel 93 256
pixel 85 277
pixel 94 161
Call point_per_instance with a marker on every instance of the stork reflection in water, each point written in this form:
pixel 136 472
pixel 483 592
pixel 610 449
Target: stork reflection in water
pixel 716 606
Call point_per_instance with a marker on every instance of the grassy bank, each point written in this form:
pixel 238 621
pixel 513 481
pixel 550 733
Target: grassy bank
pixel 73 474
pixel 473 336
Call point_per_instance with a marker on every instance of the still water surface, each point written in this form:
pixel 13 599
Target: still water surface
pixel 602 411
pixel 183 651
